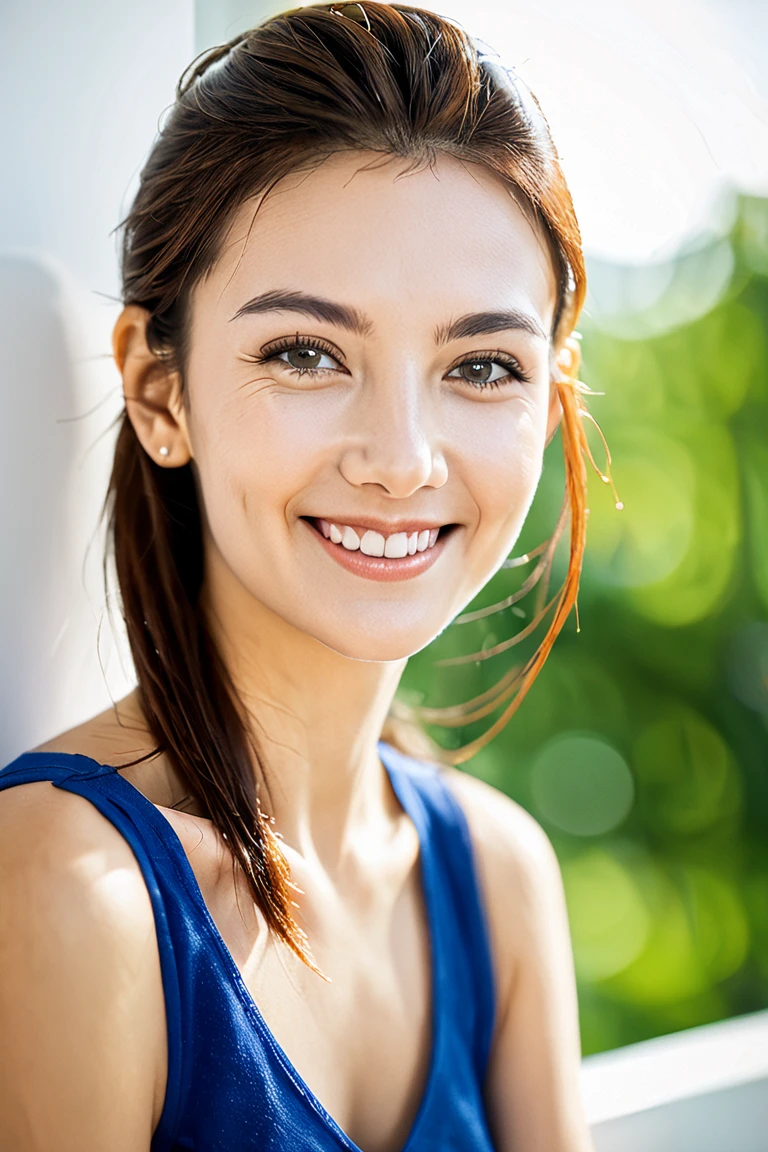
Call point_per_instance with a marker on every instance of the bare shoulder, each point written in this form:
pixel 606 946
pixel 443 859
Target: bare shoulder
pixel 62 838
pixel 518 870
pixel 66 862
pixel 509 841
pixel 81 1001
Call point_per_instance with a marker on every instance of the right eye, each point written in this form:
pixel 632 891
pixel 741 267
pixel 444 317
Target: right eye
pixel 306 359
pixel 302 355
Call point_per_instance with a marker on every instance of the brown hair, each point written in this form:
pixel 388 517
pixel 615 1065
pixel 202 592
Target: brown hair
pixel 370 77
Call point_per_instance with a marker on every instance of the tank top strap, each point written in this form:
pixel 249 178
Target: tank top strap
pixel 462 922
pixel 139 822
pixel 119 801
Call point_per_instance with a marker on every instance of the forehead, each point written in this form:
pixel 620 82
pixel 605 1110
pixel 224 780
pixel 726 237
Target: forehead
pixel 372 232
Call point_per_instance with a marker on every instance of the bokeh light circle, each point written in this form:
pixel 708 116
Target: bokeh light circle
pixel 581 784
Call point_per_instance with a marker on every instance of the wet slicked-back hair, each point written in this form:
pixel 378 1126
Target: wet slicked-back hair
pixel 370 77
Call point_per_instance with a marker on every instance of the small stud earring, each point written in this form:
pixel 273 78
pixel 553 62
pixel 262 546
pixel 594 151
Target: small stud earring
pixel 163 450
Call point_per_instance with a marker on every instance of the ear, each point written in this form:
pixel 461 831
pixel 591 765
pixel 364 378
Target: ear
pixel 555 413
pixel 566 368
pixel 152 390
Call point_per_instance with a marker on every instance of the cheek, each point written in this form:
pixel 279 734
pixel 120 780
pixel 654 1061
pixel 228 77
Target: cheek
pixel 503 476
pixel 254 453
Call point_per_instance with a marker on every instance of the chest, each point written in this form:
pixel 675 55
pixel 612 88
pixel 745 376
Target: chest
pixel 362 1039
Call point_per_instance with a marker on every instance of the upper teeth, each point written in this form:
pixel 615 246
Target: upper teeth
pixel 374 544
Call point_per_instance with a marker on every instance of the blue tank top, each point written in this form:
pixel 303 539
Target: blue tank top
pixel 231 1087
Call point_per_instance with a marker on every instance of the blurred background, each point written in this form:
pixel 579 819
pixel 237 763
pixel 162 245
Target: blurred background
pixel 642 747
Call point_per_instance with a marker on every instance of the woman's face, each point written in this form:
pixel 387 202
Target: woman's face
pixel 368 373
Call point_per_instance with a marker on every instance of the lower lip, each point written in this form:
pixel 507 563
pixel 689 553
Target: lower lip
pixel 380 568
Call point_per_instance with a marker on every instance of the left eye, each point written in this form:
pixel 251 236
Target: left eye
pixel 306 358
pixel 483 371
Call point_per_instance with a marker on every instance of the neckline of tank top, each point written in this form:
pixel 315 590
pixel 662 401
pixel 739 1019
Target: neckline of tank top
pixel 395 763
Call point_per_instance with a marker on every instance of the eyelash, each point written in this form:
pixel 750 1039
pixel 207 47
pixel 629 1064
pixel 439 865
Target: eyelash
pixel 286 343
pixel 272 351
pixel 493 357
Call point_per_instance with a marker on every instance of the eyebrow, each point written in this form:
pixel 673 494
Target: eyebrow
pixel 485 323
pixel 344 316
pixel 315 306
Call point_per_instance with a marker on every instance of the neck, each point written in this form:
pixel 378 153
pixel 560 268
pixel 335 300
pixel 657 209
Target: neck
pixel 315 717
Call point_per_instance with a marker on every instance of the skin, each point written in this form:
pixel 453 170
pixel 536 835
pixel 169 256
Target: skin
pixel 388 431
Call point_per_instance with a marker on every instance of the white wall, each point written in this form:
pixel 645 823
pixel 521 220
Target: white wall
pixel 217 21
pixel 82 86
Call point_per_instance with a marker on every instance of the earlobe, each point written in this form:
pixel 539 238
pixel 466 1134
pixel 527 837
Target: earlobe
pixel 152 391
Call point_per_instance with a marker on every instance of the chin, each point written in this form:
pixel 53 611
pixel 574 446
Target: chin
pixel 382 645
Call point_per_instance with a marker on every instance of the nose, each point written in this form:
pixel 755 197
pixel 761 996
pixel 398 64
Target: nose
pixel 393 438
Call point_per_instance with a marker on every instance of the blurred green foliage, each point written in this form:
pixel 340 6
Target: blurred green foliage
pixel 642 748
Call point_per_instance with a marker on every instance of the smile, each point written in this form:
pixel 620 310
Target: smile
pixel 400 553
pixel 394 546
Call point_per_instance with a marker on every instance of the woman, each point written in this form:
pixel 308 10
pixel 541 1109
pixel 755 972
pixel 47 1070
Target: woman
pixel 240 919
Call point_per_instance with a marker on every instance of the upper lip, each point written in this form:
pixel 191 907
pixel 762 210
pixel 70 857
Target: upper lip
pixel 384 527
